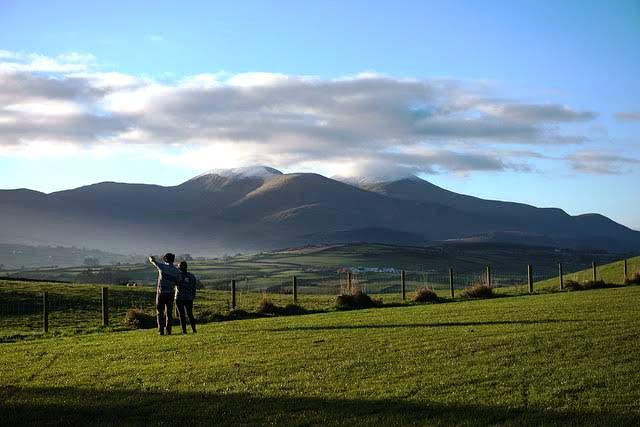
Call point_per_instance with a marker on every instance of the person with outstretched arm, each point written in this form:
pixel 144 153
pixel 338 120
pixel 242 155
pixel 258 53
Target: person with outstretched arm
pixel 185 294
pixel 168 278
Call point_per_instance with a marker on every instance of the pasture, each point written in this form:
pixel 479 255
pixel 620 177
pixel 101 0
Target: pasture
pixel 76 308
pixel 555 358
pixel 317 267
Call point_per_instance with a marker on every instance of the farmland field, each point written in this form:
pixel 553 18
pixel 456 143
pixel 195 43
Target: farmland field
pixel 317 268
pixel 556 358
pixel 76 308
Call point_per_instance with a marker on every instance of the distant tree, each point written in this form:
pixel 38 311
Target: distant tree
pixel 91 261
pixel 185 257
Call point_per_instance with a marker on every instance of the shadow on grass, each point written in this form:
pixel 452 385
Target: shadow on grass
pixel 424 325
pixel 76 406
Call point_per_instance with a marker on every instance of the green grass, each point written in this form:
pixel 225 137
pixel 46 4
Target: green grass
pixel 611 273
pixel 553 359
pixel 76 308
pixel 317 267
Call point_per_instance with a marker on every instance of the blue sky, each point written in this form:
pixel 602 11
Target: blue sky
pixel 556 81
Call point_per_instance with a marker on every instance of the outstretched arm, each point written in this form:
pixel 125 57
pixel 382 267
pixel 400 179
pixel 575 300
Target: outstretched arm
pixel 153 261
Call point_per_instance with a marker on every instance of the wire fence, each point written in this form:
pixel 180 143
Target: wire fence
pixel 72 307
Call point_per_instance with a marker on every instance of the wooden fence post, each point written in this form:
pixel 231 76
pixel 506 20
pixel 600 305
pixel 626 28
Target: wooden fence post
pixel 595 276
pixel 489 275
pixel 624 272
pixel 295 289
pixel 402 285
pixel 105 306
pixel 45 310
pixel 233 294
pixel 530 277
pixel 349 282
pixel 560 276
pixel 451 281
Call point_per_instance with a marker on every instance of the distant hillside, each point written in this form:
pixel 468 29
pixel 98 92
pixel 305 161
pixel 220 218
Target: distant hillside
pixel 14 256
pixel 258 208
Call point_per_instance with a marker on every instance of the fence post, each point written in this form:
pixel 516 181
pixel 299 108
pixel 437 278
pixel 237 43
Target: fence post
pixel 295 289
pixel 402 285
pixel 105 306
pixel 489 275
pixel 625 272
pixel 349 282
pixel 530 277
pixel 233 294
pixel 593 264
pixel 451 281
pixel 560 276
pixel 45 310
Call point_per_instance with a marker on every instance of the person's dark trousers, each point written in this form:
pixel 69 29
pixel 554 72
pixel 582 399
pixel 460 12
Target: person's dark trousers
pixel 164 307
pixel 188 307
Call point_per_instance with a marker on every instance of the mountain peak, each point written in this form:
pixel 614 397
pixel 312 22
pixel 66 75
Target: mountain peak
pixel 256 171
pixel 360 181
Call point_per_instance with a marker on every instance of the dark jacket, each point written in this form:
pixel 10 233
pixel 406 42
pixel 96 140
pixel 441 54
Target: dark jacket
pixel 186 289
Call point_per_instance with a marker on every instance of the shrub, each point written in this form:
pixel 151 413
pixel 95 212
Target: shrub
pixel 425 295
pixel 293 309
pixel 635 280
pixel 478 290
pixel 573 285
pixel 356 300
pixel 267 306
pixel 138 319
pixel 595 284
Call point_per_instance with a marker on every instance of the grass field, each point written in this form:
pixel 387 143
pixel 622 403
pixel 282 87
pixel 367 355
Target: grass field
pixel 317 267
pixel 611 273
pixel 76 308
pixel 557 358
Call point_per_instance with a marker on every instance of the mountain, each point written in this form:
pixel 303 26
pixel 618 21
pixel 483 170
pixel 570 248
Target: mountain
pixel 520 223
pixel 256 208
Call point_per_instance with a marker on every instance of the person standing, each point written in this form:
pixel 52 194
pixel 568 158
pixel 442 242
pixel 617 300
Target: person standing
pixel 185 294
pixel 168 278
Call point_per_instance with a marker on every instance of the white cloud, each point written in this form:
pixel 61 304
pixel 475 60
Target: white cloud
pixel 601 163
pixel 218 119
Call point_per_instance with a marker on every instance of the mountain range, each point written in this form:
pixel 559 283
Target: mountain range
pixel 260 208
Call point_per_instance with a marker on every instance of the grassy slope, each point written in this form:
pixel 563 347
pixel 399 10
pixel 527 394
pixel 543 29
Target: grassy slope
pixel 610 273
pixel 556 358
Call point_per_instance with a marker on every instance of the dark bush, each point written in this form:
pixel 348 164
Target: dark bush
pixel 425 295
pixel 478 290
pixel 293 309
pixel 354 301
pixel 573 285
pixel 635 280
pixel 136 318
pixel 266 306
pixel 595 284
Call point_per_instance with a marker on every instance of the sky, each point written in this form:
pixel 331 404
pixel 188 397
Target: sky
pixel 529 101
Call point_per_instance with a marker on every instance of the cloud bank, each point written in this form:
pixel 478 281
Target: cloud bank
pixel 413 125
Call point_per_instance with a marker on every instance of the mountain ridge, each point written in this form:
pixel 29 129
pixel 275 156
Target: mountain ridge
pixel 260 208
